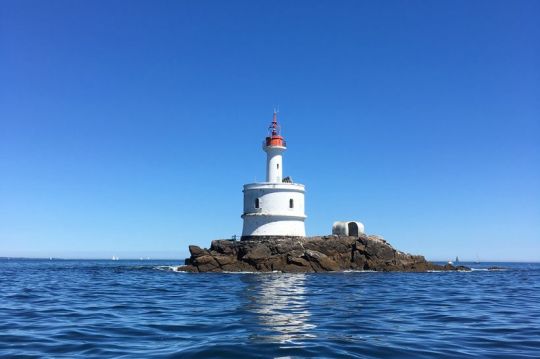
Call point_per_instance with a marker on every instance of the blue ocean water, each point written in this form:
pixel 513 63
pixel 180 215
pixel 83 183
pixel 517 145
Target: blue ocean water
pixel 63 308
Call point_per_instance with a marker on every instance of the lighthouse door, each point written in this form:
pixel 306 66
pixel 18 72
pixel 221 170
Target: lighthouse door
pixel 353 229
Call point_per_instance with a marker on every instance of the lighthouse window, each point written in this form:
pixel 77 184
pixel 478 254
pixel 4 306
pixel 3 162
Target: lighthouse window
pixel 257 203
pixel 278 166
pixel 291 203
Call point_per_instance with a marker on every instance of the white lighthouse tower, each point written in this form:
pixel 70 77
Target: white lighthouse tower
pixel 274 208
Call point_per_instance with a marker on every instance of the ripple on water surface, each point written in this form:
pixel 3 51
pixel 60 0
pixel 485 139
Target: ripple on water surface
pixel 144 309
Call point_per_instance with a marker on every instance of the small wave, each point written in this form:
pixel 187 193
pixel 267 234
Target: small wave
pixel 169 269
pixel 489 269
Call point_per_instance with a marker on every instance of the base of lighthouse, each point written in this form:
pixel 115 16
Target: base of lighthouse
pixel 273 210
pixel 262 227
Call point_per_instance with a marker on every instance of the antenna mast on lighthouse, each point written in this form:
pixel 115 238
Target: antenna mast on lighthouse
pixel 274 138
pixel 274 127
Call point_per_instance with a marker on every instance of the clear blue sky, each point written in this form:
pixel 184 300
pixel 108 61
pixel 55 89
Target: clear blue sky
pixel 129 127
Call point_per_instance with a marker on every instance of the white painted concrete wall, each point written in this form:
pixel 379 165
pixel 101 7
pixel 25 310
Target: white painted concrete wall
pixel 274 215
pixel 274 163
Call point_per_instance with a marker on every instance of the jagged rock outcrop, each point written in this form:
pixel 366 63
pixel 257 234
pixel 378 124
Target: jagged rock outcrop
pixel 311 254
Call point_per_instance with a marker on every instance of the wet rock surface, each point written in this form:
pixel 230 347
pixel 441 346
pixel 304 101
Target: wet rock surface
pixel 311 254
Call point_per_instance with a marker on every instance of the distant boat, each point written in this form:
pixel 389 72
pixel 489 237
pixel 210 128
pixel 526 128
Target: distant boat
pixel 115 258
pixel 477 259
pixel 457 260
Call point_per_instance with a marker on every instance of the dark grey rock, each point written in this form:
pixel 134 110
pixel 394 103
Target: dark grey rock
pixel 196 251
pixel 302 255
pixel 320 262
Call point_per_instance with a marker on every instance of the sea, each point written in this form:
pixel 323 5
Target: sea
pixel 146 309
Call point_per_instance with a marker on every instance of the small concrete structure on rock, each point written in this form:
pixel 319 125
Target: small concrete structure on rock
pixel 352 228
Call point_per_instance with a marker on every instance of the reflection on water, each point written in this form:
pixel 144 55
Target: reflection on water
pixel 280 306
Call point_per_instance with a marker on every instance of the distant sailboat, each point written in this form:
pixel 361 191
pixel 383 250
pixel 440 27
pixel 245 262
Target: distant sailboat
pixel 115 258
pixel 457 260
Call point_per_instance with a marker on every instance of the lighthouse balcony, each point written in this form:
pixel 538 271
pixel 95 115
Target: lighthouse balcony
pixel 274 186
pixel 275 215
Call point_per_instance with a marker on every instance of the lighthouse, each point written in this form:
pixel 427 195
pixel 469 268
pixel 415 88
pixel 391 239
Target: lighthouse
pixel 274 208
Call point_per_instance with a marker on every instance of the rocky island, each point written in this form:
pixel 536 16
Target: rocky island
pixel 273 234
pixel 310 254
